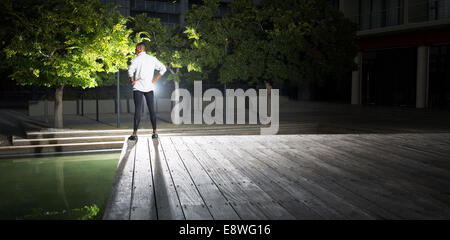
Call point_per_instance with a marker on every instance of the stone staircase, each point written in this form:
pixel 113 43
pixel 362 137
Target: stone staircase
pixel 50 142
pixel 71 141
pixel 54 141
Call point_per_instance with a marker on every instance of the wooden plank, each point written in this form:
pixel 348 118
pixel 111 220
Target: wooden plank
pixel 297 160
pixel 319 199
pixel 383 173
pixel 243 142
pixel 216 172
pixel 143 205
pixel 441 138
pixel 282 190
pixel 424 150
pixel 359 171
pixel 283 177
pixel 217 203
pixel 243 186
pixel 283 149
pixel 119 202
pixel 178 143
pixel 298 202
pixel 404 180
pixel 385 194
pixel 402 147
pixel 390 168
pixel 194 207
pixel 229 185
pixel 226 184
pixel 322 179
pixel 167 203
pixel 235 197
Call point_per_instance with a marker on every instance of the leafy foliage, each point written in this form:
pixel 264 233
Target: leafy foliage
pixel 79 43
pixel 206 41
pixel 88 212
pixel 292 40
pixel 309 38
pixel 169 45
pixel 66 42
pixel 192 52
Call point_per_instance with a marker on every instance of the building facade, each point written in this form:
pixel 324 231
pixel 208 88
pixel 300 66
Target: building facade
pixel 404 57
pixel 171 12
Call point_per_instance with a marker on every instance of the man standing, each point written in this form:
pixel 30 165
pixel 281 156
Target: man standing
pixel 144 66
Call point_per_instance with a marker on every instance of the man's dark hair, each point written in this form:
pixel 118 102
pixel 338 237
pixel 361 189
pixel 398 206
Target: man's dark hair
pixel 142 44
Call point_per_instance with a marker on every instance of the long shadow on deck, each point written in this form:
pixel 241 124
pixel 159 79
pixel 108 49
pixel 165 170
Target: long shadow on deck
pixel 162 198
pixel 120 210
pixel 123 163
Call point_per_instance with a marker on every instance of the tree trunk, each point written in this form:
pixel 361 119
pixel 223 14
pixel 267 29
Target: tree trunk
pixel 59 107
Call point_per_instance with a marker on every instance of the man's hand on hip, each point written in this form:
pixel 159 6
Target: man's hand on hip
pixel 132 81
pixel 156 78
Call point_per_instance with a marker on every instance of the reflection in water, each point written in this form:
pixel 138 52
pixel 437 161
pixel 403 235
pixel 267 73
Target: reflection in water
pixel 60 182
pixel 56 187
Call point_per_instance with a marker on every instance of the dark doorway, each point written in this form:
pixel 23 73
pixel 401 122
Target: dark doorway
pixel 439 78
pixel 389 77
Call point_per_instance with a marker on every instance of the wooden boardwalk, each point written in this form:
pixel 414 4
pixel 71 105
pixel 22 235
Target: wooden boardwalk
pixel 348 176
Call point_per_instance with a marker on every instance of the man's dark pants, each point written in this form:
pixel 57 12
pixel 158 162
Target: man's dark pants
pixel 138 97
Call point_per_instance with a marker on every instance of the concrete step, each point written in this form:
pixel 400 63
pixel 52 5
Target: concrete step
pixel 16 141
pixel 105 140
pixel 81 133
pixel 194 130
pixel 65 147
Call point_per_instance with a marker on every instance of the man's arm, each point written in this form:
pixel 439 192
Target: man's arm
pixel 131 70
pixel 161 69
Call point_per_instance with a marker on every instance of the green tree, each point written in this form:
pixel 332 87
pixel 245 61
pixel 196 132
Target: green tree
pixel 165 43
pixel 192 51
pixel 207 40
pixel 59 43
pixel 310 41
pixel 294 41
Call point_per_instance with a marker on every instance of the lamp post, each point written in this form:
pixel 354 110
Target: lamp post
pixel 118 100
pixel 82 102
pixel 96 104
pixel 156 99
pixel 225 91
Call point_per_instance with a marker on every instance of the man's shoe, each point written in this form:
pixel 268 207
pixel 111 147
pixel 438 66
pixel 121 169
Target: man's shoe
pixel 133 137
pixel 154 135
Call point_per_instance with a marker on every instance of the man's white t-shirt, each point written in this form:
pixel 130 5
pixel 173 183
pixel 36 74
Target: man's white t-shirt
pixel 144 66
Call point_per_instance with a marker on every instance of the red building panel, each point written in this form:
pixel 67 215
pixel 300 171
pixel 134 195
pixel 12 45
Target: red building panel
pixel 406 39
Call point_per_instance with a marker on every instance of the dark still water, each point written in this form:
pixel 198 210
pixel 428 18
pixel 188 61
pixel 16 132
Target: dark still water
pixel 56 187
